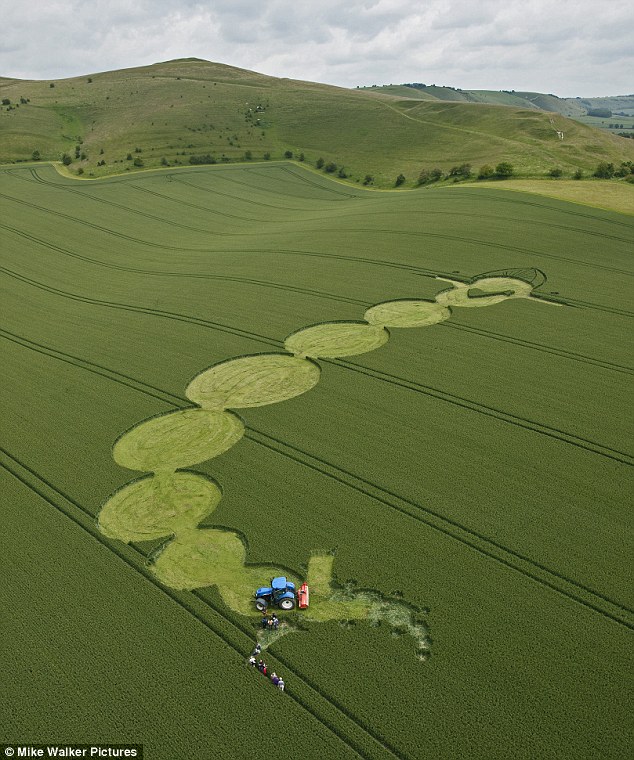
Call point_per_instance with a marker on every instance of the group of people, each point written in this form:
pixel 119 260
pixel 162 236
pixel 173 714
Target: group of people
pixel 261 666
pixel 270 624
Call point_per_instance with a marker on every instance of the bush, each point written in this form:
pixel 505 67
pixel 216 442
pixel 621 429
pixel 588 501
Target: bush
pixel 399 180
pixel 486 172
pixel 6 102
pixel 80 170
pixel 464 171
pixel 368 179
pixel 267 156
pixel 342 173
pixel 128 157
pixel 206 159
pixel 578 174
pixel 164 162
pixel 429 175
pixel 288 154
pixel 35 155
pixel 319 163
pixel 330 167
pixel 555 172
pixel 67 160
pixel 504 170
pixel 424 178
pixel 138 162
pixel 248 155
pixel 301 157
pixel 604 170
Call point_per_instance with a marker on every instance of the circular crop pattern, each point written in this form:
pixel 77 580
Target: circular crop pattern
pixel 205 557
pixel 499 288
pixel 332 339
pixel 178 439
pixel 158 506
pixel 407 313
pixel 253 381
pixel 520 288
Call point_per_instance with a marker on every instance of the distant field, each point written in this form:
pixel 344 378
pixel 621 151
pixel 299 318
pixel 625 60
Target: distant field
pixel 613 196
pixel 474 472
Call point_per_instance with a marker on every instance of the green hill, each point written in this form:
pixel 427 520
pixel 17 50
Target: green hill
pixel 580 109
pixel 167 113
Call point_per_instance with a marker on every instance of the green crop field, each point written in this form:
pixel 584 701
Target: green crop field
pixel 417 401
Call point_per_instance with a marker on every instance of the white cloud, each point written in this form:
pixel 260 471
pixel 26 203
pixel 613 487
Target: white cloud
pixel 573 47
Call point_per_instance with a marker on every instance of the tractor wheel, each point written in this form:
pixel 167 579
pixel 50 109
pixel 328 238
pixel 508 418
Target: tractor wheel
pixel 287 604
pixel 260 604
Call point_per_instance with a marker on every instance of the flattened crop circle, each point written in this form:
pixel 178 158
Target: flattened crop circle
pixel 253 381
pixel 333 339
pixel 520 288
pixel 158 506
pixel 407 313
pixel 178 439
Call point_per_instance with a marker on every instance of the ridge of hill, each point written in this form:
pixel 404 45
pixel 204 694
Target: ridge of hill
pixel 585 110
pixel 190 110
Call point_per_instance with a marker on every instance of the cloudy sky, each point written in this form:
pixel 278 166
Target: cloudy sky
pixel 570 47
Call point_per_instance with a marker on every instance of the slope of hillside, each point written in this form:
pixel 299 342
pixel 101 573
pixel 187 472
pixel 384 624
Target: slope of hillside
pixel 166 113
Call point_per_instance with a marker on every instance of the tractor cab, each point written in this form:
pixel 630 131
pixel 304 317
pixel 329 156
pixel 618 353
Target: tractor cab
pixel 280 593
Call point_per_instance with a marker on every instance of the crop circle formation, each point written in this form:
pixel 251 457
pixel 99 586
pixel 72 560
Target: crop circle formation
pixel 171 503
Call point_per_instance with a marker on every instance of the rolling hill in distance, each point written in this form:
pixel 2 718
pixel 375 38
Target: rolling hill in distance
pixel 165 113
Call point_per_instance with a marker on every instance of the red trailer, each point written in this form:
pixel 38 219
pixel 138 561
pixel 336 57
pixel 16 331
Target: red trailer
pixel 303 596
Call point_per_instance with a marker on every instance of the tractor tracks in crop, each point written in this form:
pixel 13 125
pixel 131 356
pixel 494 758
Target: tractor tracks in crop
pixel 346 215
pixel 242 199
pixel 304 291
pixel 474 406
pixel 513 419
pixel 582 358
pixel 353 213
pixel 358 737
pixel 486 192
pixel 371 232
pixel 88 195
pixel 409 268
pixel 483 545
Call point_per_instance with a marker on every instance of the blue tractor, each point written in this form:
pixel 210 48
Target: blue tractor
pixel 281 593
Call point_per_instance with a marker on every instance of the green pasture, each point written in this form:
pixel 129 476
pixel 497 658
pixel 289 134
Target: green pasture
pixel 466 480
pixel 122 121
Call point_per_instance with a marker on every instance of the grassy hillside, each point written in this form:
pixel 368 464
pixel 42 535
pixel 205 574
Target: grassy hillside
pixel 575 108
pixel 478 470
pixel 168 112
